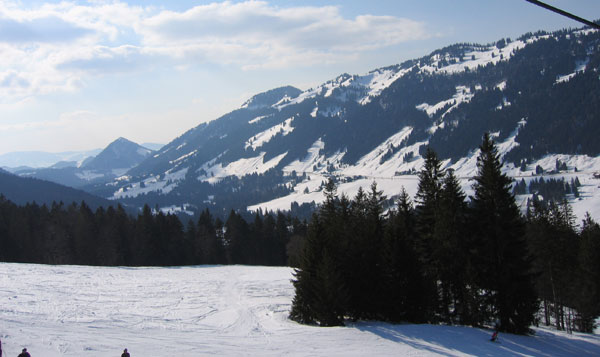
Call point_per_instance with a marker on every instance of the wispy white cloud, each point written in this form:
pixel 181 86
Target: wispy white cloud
pixel 255 34
pixel 58 46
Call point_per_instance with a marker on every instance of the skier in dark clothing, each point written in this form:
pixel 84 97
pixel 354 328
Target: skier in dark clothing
pixel 125 353
pixel 24 353
pixel 496 330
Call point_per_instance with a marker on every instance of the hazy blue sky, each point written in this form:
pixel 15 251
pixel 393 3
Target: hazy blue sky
pixel 76 75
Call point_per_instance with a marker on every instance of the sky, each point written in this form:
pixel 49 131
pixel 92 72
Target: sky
pixel 76 75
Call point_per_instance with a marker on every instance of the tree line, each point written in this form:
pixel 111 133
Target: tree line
pixel 75 234
pixel 444 260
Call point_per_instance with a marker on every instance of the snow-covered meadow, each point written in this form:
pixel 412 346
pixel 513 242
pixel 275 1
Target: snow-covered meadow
pixel 215 310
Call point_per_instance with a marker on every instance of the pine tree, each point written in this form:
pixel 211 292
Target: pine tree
pixel 143 245
pixel 362 232
pixel 427 211
pixel 305 276
pixel 587 299
pixel 237 239
pixel 504 269
pixel 406 295
pixel 356 236
pixel 209 244
pixel 451 255
pixel 551 235
pixel 321 293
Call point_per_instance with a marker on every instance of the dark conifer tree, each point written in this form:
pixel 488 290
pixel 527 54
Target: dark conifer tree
pixel 270 243
pixel 44 235
pixel 142 245
pixel 237 239
pixel 587 299
pixel 282 238
pixel 405 294
pixel 108 238
pixel 210 243
pixel 371 247
pixel 428 200
pixel 124 230
pixel 452 257
pixel 551 235
pixel 305 276
pixel 321 291
pixel 84 235
pixel 192 252
pixel 257 244
pixel 174 238
pixel 361 222
pixel 504 269
pixel 356 235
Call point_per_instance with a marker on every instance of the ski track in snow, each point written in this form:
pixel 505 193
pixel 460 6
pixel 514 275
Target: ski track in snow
pixel 223 310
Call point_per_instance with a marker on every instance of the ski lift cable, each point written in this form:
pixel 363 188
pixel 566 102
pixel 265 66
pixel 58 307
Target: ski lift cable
pixel 564 13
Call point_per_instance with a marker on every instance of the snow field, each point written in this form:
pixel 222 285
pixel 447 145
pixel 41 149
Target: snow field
pixel 372 168
pixel 223 310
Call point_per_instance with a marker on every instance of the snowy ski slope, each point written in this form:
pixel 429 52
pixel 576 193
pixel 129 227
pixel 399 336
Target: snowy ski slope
pixel 215 310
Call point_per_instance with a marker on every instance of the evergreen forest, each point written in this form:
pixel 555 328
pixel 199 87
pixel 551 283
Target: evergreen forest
pixel 75 234
pixel 441 258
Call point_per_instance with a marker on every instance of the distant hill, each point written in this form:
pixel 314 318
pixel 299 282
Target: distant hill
pixel 116 159
pixel 120 154
pixel 22 190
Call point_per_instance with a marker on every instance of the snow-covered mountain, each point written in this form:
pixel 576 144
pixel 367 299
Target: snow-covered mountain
pixel 538 96
pixel 120 154
pixel 113 161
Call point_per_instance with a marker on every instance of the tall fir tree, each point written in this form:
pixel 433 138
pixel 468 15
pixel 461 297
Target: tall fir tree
pixel 451 255
pixel 237 238
pixel 209 245
pixel 363 231
pixel 320 283
pixel 305 276
pixel 406 295
pixel 427 208
pixel 552 236
pixel 504 265
pixel 587 299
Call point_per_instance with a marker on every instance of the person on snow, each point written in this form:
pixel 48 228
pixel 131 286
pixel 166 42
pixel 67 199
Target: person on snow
pixel 496 330
pixel 24 353
pixel 125 353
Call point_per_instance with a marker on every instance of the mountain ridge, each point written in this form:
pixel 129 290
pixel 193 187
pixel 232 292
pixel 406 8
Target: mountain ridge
pixel 109 163
pixel 27 190
pixel 356 128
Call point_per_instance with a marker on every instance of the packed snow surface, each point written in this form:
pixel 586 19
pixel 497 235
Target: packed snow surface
pixel 152 184
pixel 394 167
pixel 215 172
pixel 216 310
pixel 264 137
pixel 463 95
